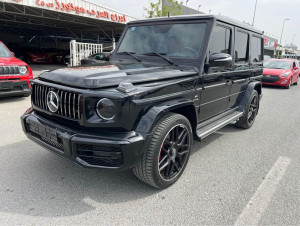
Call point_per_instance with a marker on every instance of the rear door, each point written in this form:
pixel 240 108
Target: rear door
pixel 241 69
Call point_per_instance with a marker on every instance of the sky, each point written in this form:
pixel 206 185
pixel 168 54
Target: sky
pixel 269 13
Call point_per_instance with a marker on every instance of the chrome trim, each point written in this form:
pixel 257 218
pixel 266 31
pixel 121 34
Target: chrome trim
pixel 65 103
pixel 98 111
pixel 224 59
pixel 79 106
pixel 74 112
pixel 70 105
pixel 239 80
pixel 61 100
pixel 216 127
pixel 206 87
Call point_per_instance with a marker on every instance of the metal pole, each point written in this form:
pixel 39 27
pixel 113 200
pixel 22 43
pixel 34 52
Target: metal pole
pixel 282 30
pixel 293 39
pixel 281 36
pixel 254 13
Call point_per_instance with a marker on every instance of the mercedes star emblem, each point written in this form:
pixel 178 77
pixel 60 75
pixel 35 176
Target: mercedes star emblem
pixel 52 101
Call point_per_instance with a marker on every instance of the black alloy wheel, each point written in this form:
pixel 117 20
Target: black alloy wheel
pixel 174 152
pixel 166 151
pixel 253 108
pixel 250 111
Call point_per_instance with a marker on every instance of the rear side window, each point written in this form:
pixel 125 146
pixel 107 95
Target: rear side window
pixel 220 42
pixel 256 49
pixel 241 47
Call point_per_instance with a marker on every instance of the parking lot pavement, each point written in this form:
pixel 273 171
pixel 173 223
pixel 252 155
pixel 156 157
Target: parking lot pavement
pixel 233 176
pixel 38 68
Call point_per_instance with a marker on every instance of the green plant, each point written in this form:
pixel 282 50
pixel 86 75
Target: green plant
pixel 164 8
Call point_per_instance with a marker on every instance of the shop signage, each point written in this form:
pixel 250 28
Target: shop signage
pixel 60 5
pixel 270 43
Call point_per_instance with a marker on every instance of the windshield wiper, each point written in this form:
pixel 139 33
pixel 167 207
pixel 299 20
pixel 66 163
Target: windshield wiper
pixel 132 55
pixel 161 56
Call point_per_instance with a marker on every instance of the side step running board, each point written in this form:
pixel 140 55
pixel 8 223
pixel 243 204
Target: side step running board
pixel 218 124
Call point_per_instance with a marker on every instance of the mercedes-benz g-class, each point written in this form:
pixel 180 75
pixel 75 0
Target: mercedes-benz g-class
pixel 169 81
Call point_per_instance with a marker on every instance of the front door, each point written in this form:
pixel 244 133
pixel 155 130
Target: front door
pixel 216 81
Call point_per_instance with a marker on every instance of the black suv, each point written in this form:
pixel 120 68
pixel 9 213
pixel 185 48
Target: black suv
pixel 169 81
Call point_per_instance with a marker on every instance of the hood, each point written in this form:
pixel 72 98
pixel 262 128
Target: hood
pixel 269 71
pixel 112 74
pixel 6 61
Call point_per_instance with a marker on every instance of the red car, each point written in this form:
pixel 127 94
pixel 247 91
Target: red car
pixel 14 74
pixel 38 56
pixel 281 72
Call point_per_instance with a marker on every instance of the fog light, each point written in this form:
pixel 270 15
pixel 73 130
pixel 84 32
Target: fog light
pixel 284 82
pixel 106 109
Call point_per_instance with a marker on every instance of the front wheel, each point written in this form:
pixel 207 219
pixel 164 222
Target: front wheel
pixel 251 110
pixel 296 83
pixel 289 85
pixel 166 152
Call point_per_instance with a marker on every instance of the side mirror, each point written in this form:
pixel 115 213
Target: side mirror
pixel 220 60
pixel 296 68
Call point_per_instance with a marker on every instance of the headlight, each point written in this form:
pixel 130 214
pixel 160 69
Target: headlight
pixel 285 74
pixel 23 70
pixel 106 109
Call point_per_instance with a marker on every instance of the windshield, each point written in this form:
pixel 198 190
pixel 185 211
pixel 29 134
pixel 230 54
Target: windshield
pixel 277 64
pixel 4 52
pixel 172 40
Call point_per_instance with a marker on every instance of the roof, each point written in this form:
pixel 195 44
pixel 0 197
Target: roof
pixel 224 19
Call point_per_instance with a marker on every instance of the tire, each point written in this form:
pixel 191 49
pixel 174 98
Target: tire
pixel 164 158
pixel 251 110
pixel 296 83
pixel 289 85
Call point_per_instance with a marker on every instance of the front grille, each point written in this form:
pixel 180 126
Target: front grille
pixel 58 145
pixel 104 155
pixel 9 70
pixel 270 78
pixel 70 103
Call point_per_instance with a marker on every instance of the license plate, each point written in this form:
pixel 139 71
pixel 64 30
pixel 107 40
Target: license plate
pixel 6 85
pixel 44 131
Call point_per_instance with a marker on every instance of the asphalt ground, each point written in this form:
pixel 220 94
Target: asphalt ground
pixel 234 176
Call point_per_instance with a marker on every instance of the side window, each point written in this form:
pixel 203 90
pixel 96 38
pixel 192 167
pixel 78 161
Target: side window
pixel 241 47
pixel 256 49
pixel 220 42
pixel 294 64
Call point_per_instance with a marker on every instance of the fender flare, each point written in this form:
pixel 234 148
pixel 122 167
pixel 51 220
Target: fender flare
pixel 148 120
pixel 251 86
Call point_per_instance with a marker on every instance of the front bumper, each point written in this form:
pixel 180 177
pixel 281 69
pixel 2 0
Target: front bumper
pixel 14 88
pixel 118 151
pixel 275 81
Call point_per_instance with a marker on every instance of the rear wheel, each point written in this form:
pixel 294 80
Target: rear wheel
pixel 166 152
pixel 251 110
